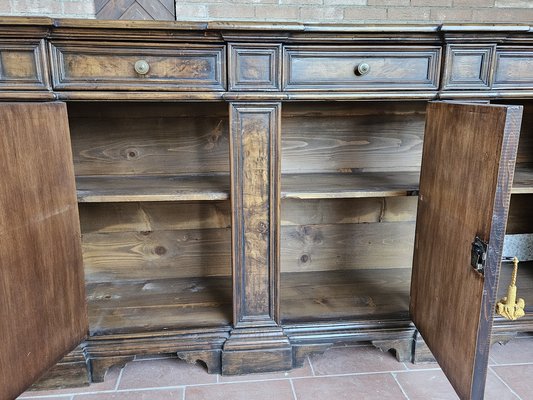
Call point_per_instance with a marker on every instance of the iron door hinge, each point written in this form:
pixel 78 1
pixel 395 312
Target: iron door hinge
pixel 478 256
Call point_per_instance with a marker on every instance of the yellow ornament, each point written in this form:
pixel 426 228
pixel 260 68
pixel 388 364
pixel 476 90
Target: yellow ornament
pixel 508 307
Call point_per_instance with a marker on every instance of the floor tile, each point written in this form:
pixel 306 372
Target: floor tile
pixel 269 390
pixel 516 351
pixel 360 387
pixel 354 359
pixel 295 373
pixel 108 384
pixel 518 378
pixel 423 385
pixel 162 373
pixel 170 394
pixel 421 366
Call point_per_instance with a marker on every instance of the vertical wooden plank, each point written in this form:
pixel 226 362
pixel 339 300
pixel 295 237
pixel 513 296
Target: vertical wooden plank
pixel 42 294
pixel 467 172
pixel 255 194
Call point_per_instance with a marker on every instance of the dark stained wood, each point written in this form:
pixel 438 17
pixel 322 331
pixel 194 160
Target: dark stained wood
pixel 520 218
pixel 115 188
pixel 42 305
pixel 333 68
pixel 135 9
pixel 23 65
pixel 149 139
pixel 257 343
pixel 366 184
pixel 452 305
pixel 158 304
pixel 348 211
pixel 307 248
pixel 348 294
pixel 514 68
pixel 468 66
pixel 357 137
pixel 254 67
pixel 149 217
pixel 122 256
pixel 111 66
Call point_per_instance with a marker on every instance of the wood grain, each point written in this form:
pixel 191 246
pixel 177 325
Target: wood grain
pixel 158 304
pixel 149 139
pixel 346 246
pixel 115 188
pixel 520 218
pixel 452 305
pixel 351 294
pixel 332 68
pixel 162 10
pixel 23 65
pixel 365 184
pixel 346 137
pixel 42 293
pixel 111 66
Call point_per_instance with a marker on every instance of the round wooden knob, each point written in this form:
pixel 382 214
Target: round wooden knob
pixel 362 69
pixel 142 67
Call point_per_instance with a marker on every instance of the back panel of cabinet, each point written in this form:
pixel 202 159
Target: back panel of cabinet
pixel 153 189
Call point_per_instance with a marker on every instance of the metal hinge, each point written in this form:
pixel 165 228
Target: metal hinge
pixel 478 255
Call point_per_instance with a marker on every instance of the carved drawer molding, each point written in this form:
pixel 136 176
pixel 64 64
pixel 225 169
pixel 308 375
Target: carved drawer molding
pixel 118 66
pixel 513 68
pixel 468 66
pixel 23 65
pixel 335 68
pixel 255 67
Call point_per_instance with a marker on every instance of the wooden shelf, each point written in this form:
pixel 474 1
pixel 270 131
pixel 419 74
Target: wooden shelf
pixel 364 184
pixel 347 294
pixel 121 188
pixel 155 305
pixel 523 180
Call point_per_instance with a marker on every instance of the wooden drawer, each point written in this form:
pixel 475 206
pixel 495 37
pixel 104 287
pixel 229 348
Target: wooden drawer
pixel 93 66
pixel 468 66
pixel 343 68
pixel 22 66
pixel 514 68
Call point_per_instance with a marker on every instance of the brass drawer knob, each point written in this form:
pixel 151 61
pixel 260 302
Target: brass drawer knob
pixel 142 67
pixel 362 69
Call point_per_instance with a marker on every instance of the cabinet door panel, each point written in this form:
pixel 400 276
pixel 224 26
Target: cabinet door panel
pixel 42 299
pixel 465 185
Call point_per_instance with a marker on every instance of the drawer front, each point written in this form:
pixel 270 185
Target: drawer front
pixel 468 66
pixel 254 67
pixel 361 68
pixel 514 68
pixel 23 66
pixel 143 67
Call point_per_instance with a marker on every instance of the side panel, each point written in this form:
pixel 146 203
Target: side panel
pixel 465 185
pixel 42 299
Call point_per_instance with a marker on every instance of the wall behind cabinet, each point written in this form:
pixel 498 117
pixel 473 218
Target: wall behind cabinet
pixel 433 11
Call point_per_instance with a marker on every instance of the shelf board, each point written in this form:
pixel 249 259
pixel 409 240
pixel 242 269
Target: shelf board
pixel 337 185
pixel 155 305
pixel 121 188
pixel 347 294
pixel 523 180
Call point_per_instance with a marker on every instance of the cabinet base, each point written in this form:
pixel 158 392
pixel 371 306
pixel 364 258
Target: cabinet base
pixel 253 350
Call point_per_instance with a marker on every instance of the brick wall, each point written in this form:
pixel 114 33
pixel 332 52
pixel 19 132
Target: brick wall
pixel 517 11
pixel 49 8
pixel 359 10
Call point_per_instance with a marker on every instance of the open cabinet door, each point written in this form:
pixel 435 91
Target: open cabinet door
pixel 42 299
pixel 465 185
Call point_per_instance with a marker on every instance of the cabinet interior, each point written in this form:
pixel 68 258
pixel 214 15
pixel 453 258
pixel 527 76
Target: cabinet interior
pixel 153 191
pixel 347 241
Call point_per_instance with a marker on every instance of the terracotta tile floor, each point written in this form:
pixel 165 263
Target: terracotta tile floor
pixel 348 372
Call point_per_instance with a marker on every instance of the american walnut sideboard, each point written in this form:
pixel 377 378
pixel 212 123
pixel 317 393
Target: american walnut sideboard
pixel 245 194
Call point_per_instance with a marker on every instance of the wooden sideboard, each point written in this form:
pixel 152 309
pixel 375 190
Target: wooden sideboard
pixel 247 192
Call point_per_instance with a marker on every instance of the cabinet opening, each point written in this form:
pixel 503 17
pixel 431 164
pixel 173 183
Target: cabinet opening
pixel 153 193
pixel 349 173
